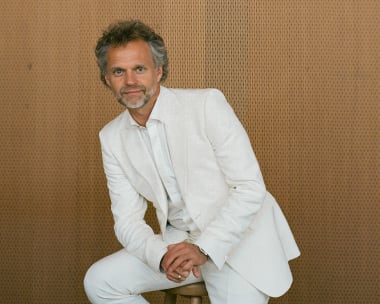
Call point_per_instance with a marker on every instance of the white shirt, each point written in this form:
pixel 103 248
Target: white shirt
pixel 154 137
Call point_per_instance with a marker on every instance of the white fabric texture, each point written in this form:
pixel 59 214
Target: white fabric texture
pixel 121 279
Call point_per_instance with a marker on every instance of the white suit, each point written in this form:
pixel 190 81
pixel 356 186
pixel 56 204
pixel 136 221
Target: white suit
pixel 220 183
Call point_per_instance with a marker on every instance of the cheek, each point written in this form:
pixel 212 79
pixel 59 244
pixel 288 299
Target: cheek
pixel 114 85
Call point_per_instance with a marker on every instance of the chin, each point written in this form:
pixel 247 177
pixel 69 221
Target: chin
pixel 135 105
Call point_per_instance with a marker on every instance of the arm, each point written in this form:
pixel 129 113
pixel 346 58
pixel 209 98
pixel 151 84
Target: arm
pixel 128 209
pixel 237 164
pixel 240 168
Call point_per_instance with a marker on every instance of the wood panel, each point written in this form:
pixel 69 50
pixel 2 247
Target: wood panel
pixel 302 76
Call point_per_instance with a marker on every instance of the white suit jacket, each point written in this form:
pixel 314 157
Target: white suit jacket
pixel 220 182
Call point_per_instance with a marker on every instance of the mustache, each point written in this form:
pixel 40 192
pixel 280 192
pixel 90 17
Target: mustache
pixel 132 88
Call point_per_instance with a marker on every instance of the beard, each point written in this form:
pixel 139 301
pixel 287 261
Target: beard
pixel 135 102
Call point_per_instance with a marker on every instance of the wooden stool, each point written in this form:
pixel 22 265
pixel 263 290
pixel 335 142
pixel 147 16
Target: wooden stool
pixel 193 291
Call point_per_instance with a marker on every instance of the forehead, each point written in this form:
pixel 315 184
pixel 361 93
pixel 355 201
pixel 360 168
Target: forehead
pixel 133 52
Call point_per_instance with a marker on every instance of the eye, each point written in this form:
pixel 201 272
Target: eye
pixel 117 72
pixel 140 69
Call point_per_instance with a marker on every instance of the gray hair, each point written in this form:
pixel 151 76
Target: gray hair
pixel 122 32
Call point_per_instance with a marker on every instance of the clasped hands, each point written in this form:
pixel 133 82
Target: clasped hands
pixel 181 259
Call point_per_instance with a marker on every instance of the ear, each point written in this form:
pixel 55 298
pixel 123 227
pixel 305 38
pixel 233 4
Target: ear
pixel 159 71
pixel 107 80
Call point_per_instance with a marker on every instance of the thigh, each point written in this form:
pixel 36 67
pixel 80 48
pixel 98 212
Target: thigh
pixel 127 274
pixel 227 286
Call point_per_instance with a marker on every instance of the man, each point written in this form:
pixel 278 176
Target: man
pixel 186 152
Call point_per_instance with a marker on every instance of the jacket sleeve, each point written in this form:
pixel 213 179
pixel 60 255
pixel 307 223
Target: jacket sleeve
pixel 128 209
pixel 237 161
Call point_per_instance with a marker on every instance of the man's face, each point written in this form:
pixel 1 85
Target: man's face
pixel 132 75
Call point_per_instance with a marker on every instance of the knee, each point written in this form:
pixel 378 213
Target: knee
pixel 108 280
pixel 93 283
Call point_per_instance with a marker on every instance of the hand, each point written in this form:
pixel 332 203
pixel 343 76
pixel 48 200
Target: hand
pixel 181 259
pixel 178 275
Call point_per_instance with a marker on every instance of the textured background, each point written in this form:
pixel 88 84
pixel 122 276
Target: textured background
pixel 303 76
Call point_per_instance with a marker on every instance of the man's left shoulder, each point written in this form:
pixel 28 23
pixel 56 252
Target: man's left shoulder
pixel 191 91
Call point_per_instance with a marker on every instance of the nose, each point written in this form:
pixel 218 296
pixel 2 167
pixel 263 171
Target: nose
pixel 130 78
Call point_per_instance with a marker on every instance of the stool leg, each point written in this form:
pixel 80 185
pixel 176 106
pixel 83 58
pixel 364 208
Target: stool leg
pixel 196 300
pixel 170 298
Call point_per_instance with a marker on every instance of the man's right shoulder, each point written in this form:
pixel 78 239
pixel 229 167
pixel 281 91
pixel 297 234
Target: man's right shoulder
pixel 113 126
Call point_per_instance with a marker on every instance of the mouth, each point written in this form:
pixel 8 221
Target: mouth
pixel 132 91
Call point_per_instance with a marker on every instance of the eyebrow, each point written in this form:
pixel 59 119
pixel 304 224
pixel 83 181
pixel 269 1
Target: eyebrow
pixel 112 69
pixel 140 65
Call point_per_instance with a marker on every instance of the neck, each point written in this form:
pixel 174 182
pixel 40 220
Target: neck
pixel 141 115
pixel 140 118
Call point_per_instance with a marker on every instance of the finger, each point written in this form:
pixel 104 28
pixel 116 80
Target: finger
pixel 182 273
pixel 173 279
pixel 182 253
pixel 184 259
pixel 176 263
pixel 173 253
pixel 176 277
pixel 173 276
pixel 196 271
pixel 174 258
pixel 187 265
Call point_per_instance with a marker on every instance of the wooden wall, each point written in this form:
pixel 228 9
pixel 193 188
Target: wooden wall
pixel 303 76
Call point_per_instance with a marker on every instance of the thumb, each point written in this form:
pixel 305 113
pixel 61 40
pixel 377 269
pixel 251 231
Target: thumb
pixel 196 271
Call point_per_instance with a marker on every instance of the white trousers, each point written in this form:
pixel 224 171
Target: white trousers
pixel 121 278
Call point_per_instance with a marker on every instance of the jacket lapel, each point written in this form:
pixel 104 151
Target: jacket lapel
pixel 134 152
pixel 176 136
pixel 143 176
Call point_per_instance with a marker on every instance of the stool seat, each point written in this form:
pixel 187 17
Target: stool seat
pixel 193 291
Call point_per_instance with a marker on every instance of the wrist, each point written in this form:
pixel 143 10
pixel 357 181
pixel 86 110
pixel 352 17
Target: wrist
pixel 162 259
pixel 202 251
